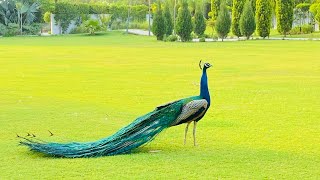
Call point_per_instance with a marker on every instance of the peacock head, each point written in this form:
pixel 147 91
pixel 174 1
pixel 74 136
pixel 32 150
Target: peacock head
pixel 204 65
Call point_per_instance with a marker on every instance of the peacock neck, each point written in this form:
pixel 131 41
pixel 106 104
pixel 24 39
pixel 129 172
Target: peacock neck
pixel 204 91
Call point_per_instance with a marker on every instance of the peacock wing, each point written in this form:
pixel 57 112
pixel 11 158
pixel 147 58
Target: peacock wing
pixel 192 111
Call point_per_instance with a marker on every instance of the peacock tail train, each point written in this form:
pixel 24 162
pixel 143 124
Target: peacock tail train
pixel 142 130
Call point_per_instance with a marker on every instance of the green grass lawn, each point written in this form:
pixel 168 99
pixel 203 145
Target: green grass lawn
pixel 263 123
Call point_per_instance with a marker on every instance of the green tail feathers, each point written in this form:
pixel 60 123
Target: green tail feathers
pixel 142 130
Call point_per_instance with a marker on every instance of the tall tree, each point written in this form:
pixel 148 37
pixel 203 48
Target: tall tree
pixel 167 20
pixel 199 22
pixel 215 6
pixel 247 22
pixel 237 9
pixel 284 13
pixel 263 17
pixel 184 23
pixel 158 26
pixel 223 21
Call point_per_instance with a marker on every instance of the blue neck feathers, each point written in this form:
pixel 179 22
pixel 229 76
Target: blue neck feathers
pixel 204 91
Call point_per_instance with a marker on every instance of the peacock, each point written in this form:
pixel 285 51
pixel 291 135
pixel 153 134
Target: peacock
pixel 141 131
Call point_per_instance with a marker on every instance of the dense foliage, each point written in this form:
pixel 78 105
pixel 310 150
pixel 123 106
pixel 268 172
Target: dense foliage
pixel 315 10
pixel 199 22
pixel 247 22
pixel 167 20
pixel 237 9
pixel 263 17
pixel 215 6
pixel 184 24
pixel 284 14
pixel 47 17
pixel 223 22
pixel 158 25
pixel 21 14
pixel 65 13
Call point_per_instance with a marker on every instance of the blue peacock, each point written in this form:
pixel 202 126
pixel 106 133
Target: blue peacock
pixel 139 132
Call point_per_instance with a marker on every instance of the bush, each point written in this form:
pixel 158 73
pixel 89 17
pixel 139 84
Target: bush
pixel 247 23
pixel 237 9
pixel 203 39
pixel 11 30
pixel 79 30
pixel 184 23
pixel 199 22
pixel 263 17
pixel 47 17
pixel 32 29
pixel 139 25
pixel 92 26
pixel 284 13
pixel 305 29
pixel 3 29
pixel 172 38
pixel 158 26
pixel 223 22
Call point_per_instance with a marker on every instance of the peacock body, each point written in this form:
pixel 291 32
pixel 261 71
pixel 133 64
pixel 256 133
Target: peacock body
pixel 140 131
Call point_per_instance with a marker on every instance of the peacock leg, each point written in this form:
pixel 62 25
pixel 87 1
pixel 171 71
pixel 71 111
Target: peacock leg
pixel 194 133
pixel 185 133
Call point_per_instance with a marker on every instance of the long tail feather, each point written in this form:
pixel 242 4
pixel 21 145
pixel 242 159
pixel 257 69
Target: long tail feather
pixel 142 130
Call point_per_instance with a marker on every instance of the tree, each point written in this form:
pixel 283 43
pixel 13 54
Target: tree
pixel 167 20
pixel 247 22
pixel 315 10
pixel 284 14
pixel 223 22
pixel 158 26
pixel 263 17
pixel 215 6
pixel 184 23
pixel 199 22
pixel 237 9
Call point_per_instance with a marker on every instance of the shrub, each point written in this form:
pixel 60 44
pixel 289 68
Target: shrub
pixel 237 9
pixel 11 30
pixel 92 26
pixel 47 17
pixel 3 29
pixel 295 30
pixel 223 22
pixel 263 17
pixel 307 29
pixel 139 25
pixel 167 20
pixel 32 29
pixel 79 30
pixel 199 22
pixel 172 38
pixel 184 23
pixel 284 13
pixel 211 23
pixel 247 23
pixel 158 26
pixel 203 39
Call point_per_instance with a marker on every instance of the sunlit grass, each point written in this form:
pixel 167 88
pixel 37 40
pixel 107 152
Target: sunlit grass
pixel 263 123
